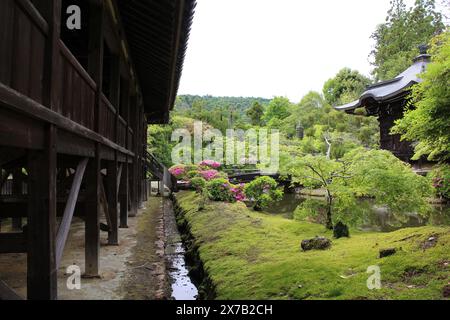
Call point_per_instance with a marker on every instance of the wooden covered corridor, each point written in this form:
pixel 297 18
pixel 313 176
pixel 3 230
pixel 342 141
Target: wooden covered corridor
pixel 74 109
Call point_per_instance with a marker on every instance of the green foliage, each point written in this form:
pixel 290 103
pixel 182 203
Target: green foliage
pixel 345 87
pixel 391 182
pixel 255 113
pixel 427 120
pixel 362 173
pixel 277 110
pixel 263 191
pixel 220 190
pixel 198 183
pixel 397 39
pixel 440 179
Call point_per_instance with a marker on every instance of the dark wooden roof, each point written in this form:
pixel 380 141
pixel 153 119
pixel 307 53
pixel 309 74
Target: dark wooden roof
pixel 388 90
pixel 157 32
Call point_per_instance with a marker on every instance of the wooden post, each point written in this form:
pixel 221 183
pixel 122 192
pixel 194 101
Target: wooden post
pixel 93 175
pixel 92 219
pixel 41 223
pixel 124 195
pixel 112 181
pixel 41 230
pixel 17 191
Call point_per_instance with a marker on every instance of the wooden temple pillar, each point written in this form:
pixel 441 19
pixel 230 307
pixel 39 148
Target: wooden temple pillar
pixel 41 223
pixel 93 175
pixel 42 170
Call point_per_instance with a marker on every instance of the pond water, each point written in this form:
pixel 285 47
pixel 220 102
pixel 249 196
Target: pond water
pixel 375 218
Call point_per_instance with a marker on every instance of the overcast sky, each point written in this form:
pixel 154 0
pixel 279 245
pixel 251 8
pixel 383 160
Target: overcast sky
pixel 267 48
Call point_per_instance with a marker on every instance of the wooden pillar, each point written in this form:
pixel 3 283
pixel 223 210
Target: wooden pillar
pixel 112 182
pixel 124 195
pixel 92 219
pixel 17 191
pixel 41 230
pixel 41 223
pixel 93 175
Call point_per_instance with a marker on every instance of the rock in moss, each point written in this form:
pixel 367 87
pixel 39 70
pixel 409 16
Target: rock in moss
pixel 317 243
pixel 446 291
pixel 340 230
pixel 387 252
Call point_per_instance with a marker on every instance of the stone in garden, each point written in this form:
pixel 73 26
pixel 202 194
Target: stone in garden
pixel 387 252
pixel 446 291
pixel 340 230
pixel 317 243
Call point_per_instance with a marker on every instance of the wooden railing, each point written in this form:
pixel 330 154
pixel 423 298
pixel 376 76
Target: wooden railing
pixel 23 38
pixel 108 119
pixel 158 170
pixel 23 34
pixel 77 99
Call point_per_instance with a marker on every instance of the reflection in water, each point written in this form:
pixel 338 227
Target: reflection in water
pixel 375 218
pixel 182 286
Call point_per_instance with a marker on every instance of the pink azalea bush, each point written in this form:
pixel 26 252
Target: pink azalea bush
pixel 178 171
pixel 209 175
pixel 238 192
pixel 210 163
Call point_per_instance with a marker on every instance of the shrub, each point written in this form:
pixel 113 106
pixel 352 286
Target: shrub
pixel 209 174
pixel 198 183
pixel 193 174
pixel 210 164
pixel 440 178
pixel 178 171
pixel 238 192
pixel 219 190
pixel 263 191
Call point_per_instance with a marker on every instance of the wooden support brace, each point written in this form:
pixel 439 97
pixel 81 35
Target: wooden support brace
pixel 64 227
pixel 6 293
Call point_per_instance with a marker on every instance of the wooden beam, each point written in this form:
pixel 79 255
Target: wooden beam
pixel 18 102
pixel 41 262
pixel 104 205
pixel 6 293
pixel 92 219
pixel 124 196
pixel 64 227
pixel 14 242
pixel 112 194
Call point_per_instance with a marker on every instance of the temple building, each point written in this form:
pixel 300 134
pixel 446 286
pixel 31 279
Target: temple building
pixel 387 100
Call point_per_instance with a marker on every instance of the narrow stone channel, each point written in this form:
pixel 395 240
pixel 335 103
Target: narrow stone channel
pixel 182 286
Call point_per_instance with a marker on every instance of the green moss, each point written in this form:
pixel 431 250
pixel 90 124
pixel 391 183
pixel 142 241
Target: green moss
pixel 251 255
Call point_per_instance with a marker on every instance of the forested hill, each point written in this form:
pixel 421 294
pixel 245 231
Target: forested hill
pixel 240 104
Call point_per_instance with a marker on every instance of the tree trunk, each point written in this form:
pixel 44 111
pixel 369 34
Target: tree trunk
pixel 329 222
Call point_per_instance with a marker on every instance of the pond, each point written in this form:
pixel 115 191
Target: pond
pixel 375 218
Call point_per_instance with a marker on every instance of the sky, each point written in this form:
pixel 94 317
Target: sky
pixel 267 48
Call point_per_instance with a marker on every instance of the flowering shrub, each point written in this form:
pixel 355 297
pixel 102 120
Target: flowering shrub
pixel 198 183
pixel 193 174
pixel 220 190
pixel 440 178
pixel 262 192
pixel 209 174
pixel 210 164
pixel 238 192
pixel 178 171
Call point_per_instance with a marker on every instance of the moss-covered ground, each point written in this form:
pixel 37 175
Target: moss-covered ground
pixel 253 255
